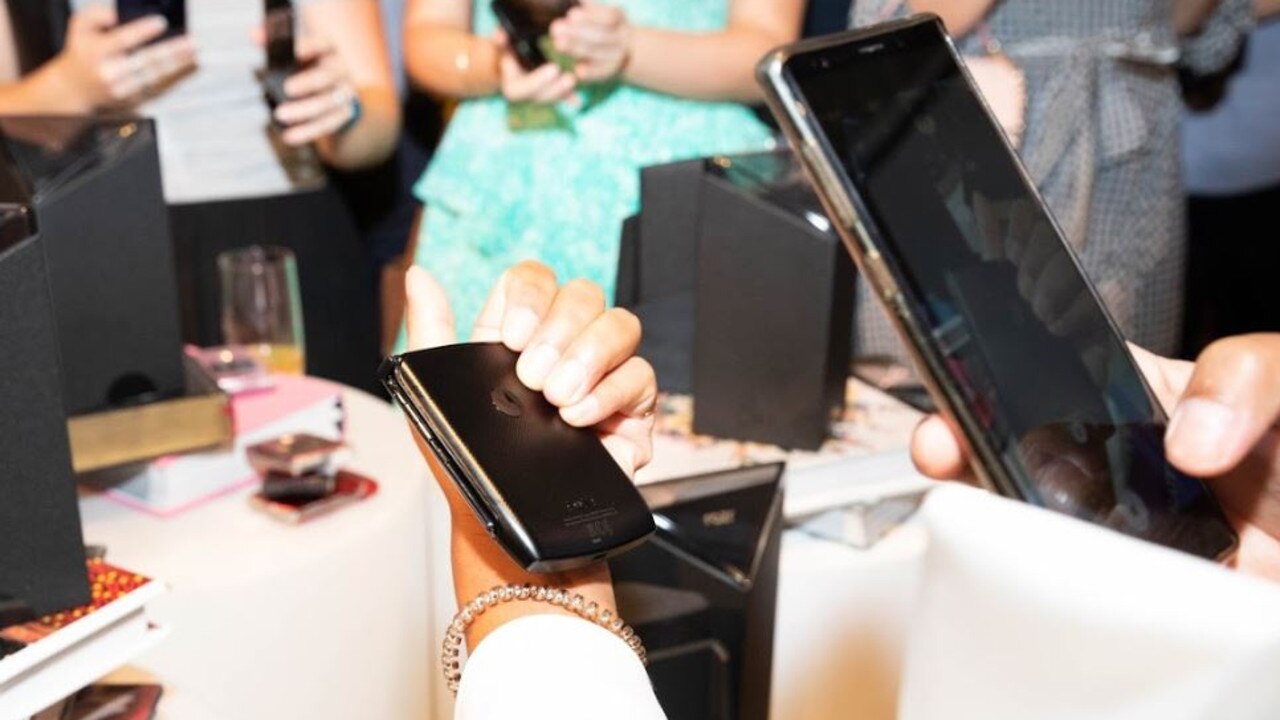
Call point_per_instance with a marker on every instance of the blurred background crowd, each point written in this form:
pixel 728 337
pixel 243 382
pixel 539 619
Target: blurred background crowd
pixel 411 133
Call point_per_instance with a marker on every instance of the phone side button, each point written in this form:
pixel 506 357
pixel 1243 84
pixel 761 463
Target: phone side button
pixel 881 279
pixel 843 208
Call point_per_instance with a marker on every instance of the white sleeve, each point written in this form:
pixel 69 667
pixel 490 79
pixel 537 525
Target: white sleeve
pixel 554 666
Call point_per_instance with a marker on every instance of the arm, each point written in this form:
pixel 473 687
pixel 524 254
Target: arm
pixel 47 90
pixel 442 55
pixel 1266 8
pixel 351 58
pixel 1189 16
pixel 960 16
pixel 725 61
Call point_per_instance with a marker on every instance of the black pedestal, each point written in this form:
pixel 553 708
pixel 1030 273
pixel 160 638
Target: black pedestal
pixel 42 560
pixel 702 592
pixel 93 187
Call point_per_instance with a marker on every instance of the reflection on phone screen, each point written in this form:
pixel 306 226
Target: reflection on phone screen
pixel 1045 377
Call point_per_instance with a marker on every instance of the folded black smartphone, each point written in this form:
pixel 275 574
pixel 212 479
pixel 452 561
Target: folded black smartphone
pixel 527 23
pixel 173 11
pixel 550 493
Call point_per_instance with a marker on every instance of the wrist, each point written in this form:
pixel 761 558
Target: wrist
pixel 61 85
pixel 476 63
pixel 479 564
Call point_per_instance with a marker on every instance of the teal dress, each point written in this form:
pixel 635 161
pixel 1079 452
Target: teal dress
pixel 553 184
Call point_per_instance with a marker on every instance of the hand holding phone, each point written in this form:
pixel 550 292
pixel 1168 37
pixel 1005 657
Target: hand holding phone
pixel 550 493
pixel 527 23
pixel 947 228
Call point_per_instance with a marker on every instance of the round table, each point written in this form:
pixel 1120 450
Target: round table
pixel 333 618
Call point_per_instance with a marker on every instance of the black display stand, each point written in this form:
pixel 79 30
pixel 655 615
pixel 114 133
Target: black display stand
pixel 92 188
pixel 702 592
pixel 746 295
pixel 42 558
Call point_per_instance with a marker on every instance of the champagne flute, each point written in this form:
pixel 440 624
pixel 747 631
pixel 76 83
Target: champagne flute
pixel 261 306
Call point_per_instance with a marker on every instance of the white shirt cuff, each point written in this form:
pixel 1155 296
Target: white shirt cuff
pixel 555 666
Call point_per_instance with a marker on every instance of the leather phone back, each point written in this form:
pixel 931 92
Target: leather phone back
pixel 551 492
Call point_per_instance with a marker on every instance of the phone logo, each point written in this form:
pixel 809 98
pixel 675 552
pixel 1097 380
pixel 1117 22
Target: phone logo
pixel 506 402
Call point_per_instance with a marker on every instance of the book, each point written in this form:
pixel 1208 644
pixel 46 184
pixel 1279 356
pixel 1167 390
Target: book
pixel 59 654
pixel 866 457
pixel 199 418
pixel 173 484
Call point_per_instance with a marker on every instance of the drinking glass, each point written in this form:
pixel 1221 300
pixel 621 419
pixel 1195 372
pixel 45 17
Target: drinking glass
pixel 261 307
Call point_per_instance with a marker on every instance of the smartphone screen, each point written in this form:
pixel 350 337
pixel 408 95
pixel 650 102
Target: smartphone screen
pixel 174 11
pixel 1052 398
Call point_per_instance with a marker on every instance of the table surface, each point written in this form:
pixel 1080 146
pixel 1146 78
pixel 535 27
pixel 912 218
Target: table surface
pixel 341 617
pixel 330 618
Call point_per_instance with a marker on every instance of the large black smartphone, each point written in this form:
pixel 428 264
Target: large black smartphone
pixel 947 227
pixel 550 493
pixel 173 11
pixel 527 23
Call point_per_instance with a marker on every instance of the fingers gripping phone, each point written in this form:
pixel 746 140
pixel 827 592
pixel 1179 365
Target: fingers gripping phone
pixel 549 493
pixel 527 23
pixel 951 234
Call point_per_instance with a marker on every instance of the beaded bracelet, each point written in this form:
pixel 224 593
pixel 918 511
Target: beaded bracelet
pixel 573 602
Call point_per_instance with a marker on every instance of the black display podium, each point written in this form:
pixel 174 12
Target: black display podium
pixel 92 189
pixel 702 592
pixel 746 294
pixel 42 559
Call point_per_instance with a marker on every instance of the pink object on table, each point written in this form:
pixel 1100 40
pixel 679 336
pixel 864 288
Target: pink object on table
pixel 174 484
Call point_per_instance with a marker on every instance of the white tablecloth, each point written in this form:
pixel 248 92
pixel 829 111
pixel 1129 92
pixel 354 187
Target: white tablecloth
pixel 329 619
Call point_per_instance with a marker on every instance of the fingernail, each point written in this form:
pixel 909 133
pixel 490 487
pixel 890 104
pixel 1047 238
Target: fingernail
pixel 581 412
pixel 1199 432
pixel 518 328
pixel 535 364
pixel 566 382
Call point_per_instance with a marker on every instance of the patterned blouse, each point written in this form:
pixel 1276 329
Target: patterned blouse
pixel 1101 141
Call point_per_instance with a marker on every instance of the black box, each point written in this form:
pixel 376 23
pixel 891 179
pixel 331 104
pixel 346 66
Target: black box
pixel 702 592
pixel 657 268
pixel 93 187
pixel 42 559
pixel 774 306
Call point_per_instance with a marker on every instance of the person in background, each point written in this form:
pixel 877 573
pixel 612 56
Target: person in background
pixel 538 659
pixel 381 197
pixel 1231 165
pixel 1088 93
pixel 544 163
pixel 54 65
pixel 235 173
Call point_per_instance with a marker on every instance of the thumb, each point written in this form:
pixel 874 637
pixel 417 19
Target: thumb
pixel 428 318
pixel 1231 401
